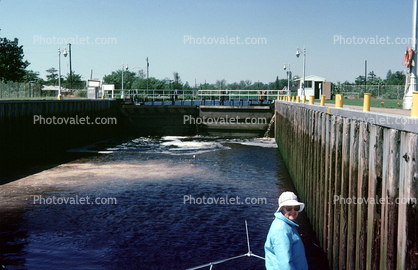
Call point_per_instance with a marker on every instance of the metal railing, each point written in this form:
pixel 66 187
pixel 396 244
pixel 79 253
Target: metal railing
pixel 153 95
pixel 243 94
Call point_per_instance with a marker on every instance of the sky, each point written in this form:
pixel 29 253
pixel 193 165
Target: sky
pixel 212 40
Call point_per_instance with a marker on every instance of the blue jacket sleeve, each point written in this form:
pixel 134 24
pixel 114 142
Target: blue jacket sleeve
pixel 283 249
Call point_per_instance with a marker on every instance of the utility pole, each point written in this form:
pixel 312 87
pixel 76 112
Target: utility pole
pixel 407 99
pixel 365 76
pixel 147 73
pixel 69 55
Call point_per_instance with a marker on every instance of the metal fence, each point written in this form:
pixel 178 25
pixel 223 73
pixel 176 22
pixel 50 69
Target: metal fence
pixel 169 94
pixel 19 90
pixel 377 91
pixel 34 90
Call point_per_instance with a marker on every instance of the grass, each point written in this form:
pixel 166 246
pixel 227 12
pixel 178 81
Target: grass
pixel 382 103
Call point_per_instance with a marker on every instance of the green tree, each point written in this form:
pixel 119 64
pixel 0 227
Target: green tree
pixel 177 84
pixel 30 76
pixel 359 80
pixel 12 65
pixel 116 78
pixel 76 81
pixel 397 78
pixel 52 76
pixel 186 86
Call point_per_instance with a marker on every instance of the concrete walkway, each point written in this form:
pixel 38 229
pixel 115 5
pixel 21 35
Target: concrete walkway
pixel 373 109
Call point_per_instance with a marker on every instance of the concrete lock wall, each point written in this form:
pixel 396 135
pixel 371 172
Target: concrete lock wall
pixel 357 172
pixel 159 120
pixel 24 137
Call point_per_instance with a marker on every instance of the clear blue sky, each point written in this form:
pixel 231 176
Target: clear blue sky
pixel 161 30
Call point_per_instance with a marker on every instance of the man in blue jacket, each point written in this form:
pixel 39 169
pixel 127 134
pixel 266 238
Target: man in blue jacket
pixel 284 248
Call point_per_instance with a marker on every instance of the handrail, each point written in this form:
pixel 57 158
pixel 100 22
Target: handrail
pixel 248 254
pixel 175 94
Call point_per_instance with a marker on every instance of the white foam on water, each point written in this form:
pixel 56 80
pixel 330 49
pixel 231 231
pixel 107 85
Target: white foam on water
pixel 173 145
pixel 261 142
pixel 184 146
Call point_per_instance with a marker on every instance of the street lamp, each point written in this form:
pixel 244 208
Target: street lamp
pixel 407 99
pixel 123 67
pixel 298 52
pixel 289 75
pixel 59 73
pixel 65 55
pixel 147 73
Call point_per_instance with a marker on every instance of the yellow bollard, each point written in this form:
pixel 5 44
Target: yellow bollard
pixel 297 99
pixel 59 97
pixel 303 99
pixel 329 110
pixel 414 109
pixel 322 100
pixel 339 101
pixel 366 102
pixel 293 98
pixel 289 98
pixel 311 99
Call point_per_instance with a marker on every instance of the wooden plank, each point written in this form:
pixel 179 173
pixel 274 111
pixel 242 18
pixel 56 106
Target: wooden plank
pixel 374 191
pixel 362 196
pixel 321 194
pixel 411 257
pixel 331 192
pixel 326 183
pixel 403 194
pixel 337 191
pixel 352 209
pixel 315 176
pixel 344 194
pixel 389 194
pixel 393 195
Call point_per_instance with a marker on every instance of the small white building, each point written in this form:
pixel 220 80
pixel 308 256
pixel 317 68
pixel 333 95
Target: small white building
pixel 313 86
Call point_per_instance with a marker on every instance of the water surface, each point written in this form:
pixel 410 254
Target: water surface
pixel 145 216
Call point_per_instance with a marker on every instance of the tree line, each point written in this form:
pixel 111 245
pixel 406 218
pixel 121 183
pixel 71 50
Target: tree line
pixel 14 68
pixel 392 78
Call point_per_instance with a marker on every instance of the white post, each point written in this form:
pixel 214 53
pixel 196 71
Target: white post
pixel 122 96
pixel 59 73
pixel 304 65
pixel 407 99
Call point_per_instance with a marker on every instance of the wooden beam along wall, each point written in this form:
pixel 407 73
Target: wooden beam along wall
pixel 359 182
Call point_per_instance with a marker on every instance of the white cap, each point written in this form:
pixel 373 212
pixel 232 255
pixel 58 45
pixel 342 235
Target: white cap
pixel 289 198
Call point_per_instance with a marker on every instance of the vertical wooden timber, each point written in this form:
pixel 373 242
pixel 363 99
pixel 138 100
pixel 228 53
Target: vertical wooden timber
pixel 331 188
pixel 375 191
pixel 344 194
pixel 322 191
pixel 326 183
pixel 315 170
pixel 352 193
pixel 408 255
pixel 337 192
pixel 362 199
pixel 360 186
pixel 390 195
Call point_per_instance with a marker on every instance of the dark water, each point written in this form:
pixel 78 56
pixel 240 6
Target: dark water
pixel 146 223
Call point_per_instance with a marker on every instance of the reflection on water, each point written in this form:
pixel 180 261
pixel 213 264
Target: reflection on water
pixel 150 226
